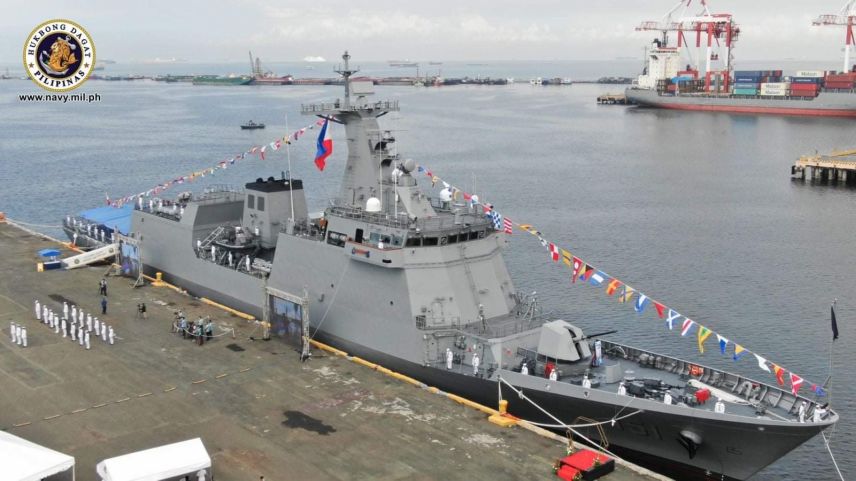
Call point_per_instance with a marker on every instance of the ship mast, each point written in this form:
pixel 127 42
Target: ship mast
pixel 370 161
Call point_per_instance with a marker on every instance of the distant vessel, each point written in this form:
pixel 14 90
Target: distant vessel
pixel 312 59
pixel 721 89
pixel 419 285
pixel 220 80
pixel 403 63
pixel 252 126
pixel 262 77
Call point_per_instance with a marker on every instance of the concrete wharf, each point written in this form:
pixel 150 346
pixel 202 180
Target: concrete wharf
pixel 836 167
pixel 257 408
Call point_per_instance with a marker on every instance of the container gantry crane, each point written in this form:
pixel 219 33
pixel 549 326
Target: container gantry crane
pixel 846 17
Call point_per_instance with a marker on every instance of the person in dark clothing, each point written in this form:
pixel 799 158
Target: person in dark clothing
pixel 103 287
pixel 104 305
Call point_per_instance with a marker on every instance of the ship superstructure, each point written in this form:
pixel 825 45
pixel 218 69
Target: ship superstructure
pixel 419 284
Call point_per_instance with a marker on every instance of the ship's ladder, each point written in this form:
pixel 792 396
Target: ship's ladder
pixel 214 235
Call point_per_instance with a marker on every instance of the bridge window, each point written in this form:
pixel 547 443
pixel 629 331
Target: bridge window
pixel 429 241
pixel 413 242
pixel 251 201
pixel 337 239
pixel 452 238
pixel 261 204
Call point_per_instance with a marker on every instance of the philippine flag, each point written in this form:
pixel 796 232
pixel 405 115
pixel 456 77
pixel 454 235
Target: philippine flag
pixel 325 146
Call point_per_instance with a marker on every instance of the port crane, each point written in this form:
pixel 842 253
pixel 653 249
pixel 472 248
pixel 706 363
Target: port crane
pixel 718 29
pixel 845 17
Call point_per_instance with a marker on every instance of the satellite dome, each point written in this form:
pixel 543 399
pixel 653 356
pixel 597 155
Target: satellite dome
pixel 409 165
pixel 373 204
pixel 446 195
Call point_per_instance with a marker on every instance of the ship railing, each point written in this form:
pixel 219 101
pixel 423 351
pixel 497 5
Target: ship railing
pixel 219 188
pixel 463 345
pixel 401 221
pixel 326 107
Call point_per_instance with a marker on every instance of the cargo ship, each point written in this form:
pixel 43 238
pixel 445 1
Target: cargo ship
pixel 220 80
pixel 717 87
pixel 262 77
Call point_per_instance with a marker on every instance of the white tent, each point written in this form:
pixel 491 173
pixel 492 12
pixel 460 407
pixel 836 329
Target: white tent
pixel 22 460
pixel 163 462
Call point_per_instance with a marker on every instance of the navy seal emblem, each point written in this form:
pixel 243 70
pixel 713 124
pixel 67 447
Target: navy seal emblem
pixel 59 55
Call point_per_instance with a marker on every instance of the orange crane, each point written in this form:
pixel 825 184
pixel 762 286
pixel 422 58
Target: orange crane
pixel 846 17
pixel 716 26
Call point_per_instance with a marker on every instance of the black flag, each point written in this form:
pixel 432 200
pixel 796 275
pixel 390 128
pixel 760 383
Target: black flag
pixel 834 324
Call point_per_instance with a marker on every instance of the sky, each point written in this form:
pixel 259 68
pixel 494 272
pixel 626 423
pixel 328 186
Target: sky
pixel 448 30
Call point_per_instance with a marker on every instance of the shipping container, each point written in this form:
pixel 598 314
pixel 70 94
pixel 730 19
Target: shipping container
pixel 806 80
pixel 783 85
pixel 745 91
pixel 748 73
pixel 810 73
pixel 745 85
pixel 846 77
pixel 839 85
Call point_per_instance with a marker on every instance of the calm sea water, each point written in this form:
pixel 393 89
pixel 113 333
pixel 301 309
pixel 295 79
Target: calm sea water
pixel 697 210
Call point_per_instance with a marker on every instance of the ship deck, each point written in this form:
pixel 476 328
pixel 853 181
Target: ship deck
pixel 325 419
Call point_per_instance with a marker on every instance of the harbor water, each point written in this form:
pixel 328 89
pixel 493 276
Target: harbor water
pixel 696 210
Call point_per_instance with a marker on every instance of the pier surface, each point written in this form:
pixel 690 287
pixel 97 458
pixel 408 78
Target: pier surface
pixel 257 408
pixel 836 166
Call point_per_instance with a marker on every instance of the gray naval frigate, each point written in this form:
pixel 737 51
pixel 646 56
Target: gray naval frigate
pixel 419 285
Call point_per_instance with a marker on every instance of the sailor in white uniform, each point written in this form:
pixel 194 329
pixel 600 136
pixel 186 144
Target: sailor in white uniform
pixel 65 309
pixel 64 327
pixel 19 333
pixel 97 324
pixel 449 358
pixel 38 310
pixel 86 340
pixel 74 314
pixel 802 410
pixel 667 398
pixel 622 389
pixel 554 375
pixel 56 323
pixel 24 336
pixel 524 369
pixel 45 314
pixel 475 364
pixel 13 334
pixel 73 329
pixel 80 334
pixel 819 413
pixel 110 335
pixel 719 407
pixel 586 381
pixel 89 322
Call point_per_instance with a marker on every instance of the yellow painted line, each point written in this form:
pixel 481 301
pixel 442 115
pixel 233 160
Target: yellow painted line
pixel 20 425
pixel 99 405
pixel 78 410
pixel 144 394
pixel 48 418
pixel 228 309
pixel 221 376
pixel 199 381
pixel 169 389
pixel 123 400
pixel 325 347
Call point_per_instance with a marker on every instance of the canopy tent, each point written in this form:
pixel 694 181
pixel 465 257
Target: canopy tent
pixel 163 462
pixel 110 217
pixel 22 460
pixel 49 252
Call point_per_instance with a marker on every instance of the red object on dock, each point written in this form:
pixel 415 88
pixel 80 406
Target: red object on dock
pixel 584 462
pixel 567 473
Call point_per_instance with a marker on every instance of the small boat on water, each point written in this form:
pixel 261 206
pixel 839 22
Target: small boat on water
pixel 252 126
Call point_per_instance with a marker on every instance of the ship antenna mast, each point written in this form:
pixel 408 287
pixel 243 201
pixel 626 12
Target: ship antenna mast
pixel 346 72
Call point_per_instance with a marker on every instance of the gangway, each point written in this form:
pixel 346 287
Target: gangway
pixel 87 258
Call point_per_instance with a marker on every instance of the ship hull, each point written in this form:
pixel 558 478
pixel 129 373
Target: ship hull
pixel 826 104
pixel 731 450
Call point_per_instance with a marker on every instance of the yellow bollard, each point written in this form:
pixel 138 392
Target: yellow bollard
pixel 158 279
pixel 503 406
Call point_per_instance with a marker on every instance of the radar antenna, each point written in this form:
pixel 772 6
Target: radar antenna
pixel 346 72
